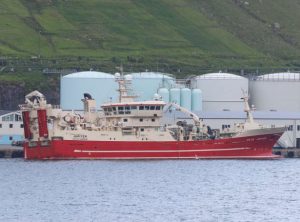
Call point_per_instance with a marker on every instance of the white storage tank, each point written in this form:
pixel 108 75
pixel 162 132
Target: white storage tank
pixel 221 91
pixel 186 98
pixel 175 95
pixel 146 84
pixel 276 92
pixel 196 100
pixel 101 86
pixel 165 95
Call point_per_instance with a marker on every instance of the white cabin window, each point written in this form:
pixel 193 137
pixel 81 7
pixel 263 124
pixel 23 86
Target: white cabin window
pixel 298 128
pixel 142 129
pixel 21 126
pixel 290 128
pixel 121 110
pixel 8 117
pixel 153 120
pixel 0 125
pixel 18 118
pixel 11 125
pixel 141 120
pixel 225 126
pixel 125 120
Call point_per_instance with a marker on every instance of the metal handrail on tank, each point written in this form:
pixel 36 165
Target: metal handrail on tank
pixel 282 76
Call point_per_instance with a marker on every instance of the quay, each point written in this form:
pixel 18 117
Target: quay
pixel 287 152
pixel 8 151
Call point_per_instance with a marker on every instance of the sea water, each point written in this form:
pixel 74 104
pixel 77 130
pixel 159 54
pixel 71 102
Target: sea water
pixel 152 190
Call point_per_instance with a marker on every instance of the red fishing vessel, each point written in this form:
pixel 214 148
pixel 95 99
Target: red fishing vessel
pixel 132 130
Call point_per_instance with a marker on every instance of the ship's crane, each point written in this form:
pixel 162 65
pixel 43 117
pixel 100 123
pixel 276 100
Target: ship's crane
pixel 195 118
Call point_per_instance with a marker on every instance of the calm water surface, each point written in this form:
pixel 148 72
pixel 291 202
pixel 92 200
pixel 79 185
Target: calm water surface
pixel 193 190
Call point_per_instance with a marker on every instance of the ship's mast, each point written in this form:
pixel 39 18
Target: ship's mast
pixel 247 107
pixel 124 87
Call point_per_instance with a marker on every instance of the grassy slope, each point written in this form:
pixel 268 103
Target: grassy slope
pixel 215 33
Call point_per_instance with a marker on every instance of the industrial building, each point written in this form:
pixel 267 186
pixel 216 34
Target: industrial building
pixel 11 127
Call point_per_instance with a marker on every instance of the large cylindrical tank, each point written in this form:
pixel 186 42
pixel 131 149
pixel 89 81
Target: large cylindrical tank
pixel 221 91
pixel 185 98
pixel 146 84
pixel 101 86
pixel 276 92
pixel 175 95
pixel 165 95
pixel 196 100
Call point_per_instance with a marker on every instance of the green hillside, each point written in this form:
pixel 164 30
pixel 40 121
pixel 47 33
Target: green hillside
pixel 207 34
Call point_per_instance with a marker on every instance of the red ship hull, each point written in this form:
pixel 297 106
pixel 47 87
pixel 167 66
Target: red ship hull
pixel 250 147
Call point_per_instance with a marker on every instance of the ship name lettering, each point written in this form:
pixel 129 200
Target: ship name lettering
pixel 79 137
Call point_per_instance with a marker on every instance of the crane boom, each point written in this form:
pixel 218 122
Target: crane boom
pixel 195 118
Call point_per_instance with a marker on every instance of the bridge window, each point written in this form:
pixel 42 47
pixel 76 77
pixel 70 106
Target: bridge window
pixel 157 107
pixel 121 109
pixel 152 107
pixel 127 110
pixel 11 125
pixel 141 107
pixel 133 107
pixel 0 125
pixel 114 110
pixel 298 128
pixel 290 128
pixel 21 126
pixel 147 107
